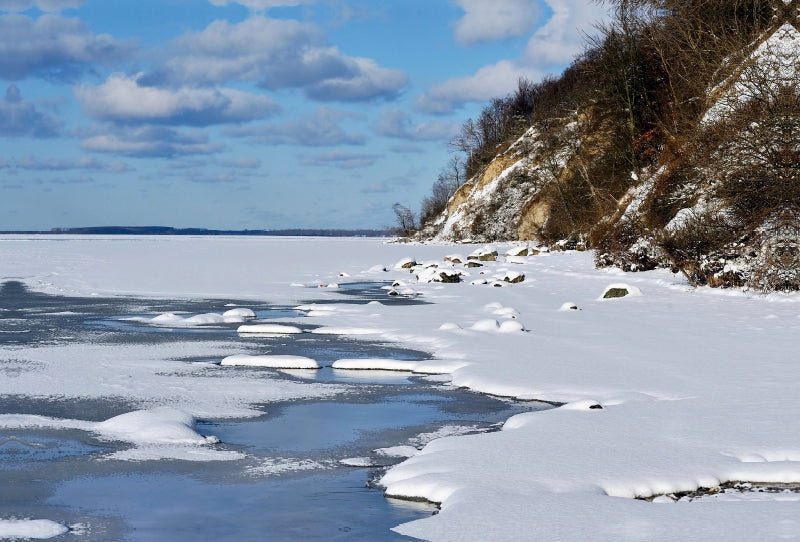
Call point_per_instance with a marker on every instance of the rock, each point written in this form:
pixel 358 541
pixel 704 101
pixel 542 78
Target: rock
pixel 596 406
pixel 518 251
pixel 474 264
pixel 454 258
pixel 513 277
pixel 612 293
pixel 450 276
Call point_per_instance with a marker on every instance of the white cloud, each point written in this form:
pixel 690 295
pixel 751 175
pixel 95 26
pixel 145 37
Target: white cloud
pixel 122 99
pixel 54 47
pixel 564 35
pixel 150 141
pixel 320 128
pixel 43 5
pixel 488 82
pixel 365 81
pixel 276 54
pixel 549 50
pixel 339 159
pixel 496 20
pixel 20 117
pixel 397 123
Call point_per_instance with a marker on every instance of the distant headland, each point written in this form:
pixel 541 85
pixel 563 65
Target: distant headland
pixel 167 230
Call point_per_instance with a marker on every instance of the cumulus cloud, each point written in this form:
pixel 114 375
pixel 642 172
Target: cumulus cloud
pixel 564 34
pixel 276 54
pixel 487 83
pixel 19 117
pixel 340 159
pixel 54 47
pixel 549 50
pixel 316 130
pixel 121 98
pixel 150 141
pixel 497 20
pixel 397 123
pixel 43 5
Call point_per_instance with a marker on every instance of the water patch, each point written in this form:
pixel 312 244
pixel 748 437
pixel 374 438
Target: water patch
pixel 18 449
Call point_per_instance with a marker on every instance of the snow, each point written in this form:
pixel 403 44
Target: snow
pixel 240 312
pixel 160 433
pixel 170 319
pixel 430 367
pixel 698 387
pixel 274 362
pixel 269 329
pixel 38 529
pixel 774 60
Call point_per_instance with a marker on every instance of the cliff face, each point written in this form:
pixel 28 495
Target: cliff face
pixel 722 206
pixel 521 192
pixel 501 202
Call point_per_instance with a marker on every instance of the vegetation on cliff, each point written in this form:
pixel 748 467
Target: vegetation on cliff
pixel 671 141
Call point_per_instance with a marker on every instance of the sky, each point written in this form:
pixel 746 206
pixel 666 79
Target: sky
pixel 253 114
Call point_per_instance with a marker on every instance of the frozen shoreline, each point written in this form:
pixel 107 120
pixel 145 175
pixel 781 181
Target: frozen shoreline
pixel 698 387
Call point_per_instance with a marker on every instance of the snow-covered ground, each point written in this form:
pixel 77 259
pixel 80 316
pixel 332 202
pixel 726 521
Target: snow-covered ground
pixel 697 387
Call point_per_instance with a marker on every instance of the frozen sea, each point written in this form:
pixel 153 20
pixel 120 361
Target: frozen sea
pixel 141 396
pixel 302 469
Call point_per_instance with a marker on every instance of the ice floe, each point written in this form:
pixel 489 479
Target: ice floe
pixel 270 361
pixel 30 529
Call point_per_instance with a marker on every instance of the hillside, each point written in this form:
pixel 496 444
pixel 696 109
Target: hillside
pixel 672 143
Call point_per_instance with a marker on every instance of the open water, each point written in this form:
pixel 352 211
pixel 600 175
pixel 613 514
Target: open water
pixel 310 465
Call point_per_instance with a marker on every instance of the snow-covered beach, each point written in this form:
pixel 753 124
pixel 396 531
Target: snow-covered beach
pixel 697 386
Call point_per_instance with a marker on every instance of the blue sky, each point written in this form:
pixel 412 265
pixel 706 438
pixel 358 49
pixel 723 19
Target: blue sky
pixel 251 114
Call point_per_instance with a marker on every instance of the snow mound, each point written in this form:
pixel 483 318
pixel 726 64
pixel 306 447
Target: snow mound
pixel 27 529
pixel 240 312
pixel 157 426
pixel 358 462
pixel 397 451
pixel 620 289
pixel 273 362
pixel 511 326
pixel 170 319
pixel 272 329
pixel 486 325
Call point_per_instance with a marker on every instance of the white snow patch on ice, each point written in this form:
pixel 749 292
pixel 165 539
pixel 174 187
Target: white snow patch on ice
pixel 269 329
pixel 160 433
pixel 27 529
pixel 270 361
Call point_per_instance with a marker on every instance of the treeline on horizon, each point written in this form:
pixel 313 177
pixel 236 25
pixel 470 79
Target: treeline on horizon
pixel 166 230
pixel 640 89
